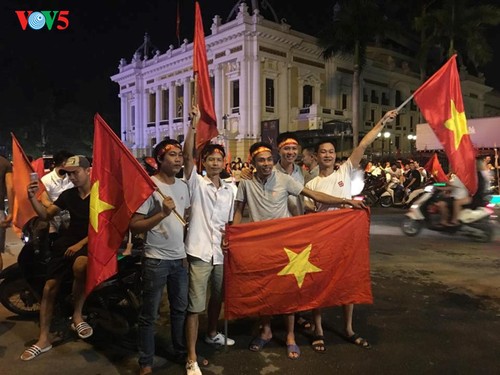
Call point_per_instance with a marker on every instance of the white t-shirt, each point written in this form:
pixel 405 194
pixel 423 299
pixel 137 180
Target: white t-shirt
pixel 337 184
pixel 166 239
pixel 55 185
pixel 459 190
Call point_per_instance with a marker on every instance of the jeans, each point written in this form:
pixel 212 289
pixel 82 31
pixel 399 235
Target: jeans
pixel 157 273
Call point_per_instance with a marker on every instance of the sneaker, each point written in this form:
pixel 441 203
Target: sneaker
pixel 218 339
pixel 192 368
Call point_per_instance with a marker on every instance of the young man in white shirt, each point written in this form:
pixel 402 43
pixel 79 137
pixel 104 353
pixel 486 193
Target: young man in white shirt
pixel 212 205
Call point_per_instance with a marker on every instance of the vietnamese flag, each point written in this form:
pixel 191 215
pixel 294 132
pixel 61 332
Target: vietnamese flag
pixel 287 265
pixel 207 127
pixel 22 210
pixel 440 101
pixel 119 186
pixel 433 166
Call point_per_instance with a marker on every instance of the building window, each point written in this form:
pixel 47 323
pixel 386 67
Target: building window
pixel 344 102
pixel 179 103
pixel 164 104
pixel 372 115
pixel 235 94
pixel 399 100
pixel 152 108
pixel 269 94
pixel 385 99
pixel 374 97
pixel 308 96
pixel 132 115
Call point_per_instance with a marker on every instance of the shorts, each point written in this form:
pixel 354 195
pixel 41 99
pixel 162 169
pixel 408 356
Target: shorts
pixel 201 274
pixel 3 232
pixel 59 266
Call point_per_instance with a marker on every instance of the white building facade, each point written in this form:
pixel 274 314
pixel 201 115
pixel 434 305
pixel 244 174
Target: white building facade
pixel 267 78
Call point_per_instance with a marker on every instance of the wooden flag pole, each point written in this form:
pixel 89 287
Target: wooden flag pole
pixel 177 215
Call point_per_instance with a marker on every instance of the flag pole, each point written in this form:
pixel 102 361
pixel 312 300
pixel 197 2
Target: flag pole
pixel 177 215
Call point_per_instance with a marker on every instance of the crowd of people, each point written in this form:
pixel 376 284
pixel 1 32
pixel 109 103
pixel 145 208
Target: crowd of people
pixel 190 263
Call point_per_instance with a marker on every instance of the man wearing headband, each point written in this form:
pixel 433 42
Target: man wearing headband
pixel 212 204
pixel 267 197
pixel 338 183
pixel 164 259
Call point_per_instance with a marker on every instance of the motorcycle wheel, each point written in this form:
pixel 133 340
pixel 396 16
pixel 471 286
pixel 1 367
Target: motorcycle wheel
pixel 17 297
pixel 411 227
pixel 486 234
pixel 386 201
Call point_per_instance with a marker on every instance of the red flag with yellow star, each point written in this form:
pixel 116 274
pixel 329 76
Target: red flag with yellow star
pixel 287 265
pixel 440 101
pixel 119 186
pixel 433 166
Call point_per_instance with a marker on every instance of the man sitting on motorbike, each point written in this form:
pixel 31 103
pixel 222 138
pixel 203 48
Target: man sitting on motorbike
pixel 457 196
pixel 413 179
pixel 394 177
pixel 69 252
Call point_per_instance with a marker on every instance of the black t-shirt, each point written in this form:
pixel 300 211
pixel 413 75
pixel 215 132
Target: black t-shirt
pixel 79 213
pixel 5 167
pixel 413 174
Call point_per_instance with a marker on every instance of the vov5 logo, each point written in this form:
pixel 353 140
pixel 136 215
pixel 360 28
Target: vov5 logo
pixel 38 19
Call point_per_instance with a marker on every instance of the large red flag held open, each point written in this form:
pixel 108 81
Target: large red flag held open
pixel 287 265
pixel 119 186
pixel 22 210
pixel 440 101
pixel 207 127
pixel 433 166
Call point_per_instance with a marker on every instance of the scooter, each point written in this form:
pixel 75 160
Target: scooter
pixel 373 188
pixel 390 198
pixel 474 221
pixel 113 305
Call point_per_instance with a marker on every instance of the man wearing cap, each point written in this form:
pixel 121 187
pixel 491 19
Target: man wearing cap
pixel 212 204
pixel 164 259
pixel 267 197
pixel 69 252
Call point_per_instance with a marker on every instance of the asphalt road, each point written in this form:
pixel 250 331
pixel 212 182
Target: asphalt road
pixel 436 311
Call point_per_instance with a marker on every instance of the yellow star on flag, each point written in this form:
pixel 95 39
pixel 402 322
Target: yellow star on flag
pixel 97 206
pixel 299 265
pixel 457 124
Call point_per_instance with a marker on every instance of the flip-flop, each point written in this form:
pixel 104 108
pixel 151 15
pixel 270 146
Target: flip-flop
pixel 318 344
pixel 34 351
pixel 292 348
pixel 257 344
pixel 82 327
pixel 359 341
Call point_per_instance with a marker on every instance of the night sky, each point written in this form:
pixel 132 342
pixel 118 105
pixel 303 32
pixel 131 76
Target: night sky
pixel 77 62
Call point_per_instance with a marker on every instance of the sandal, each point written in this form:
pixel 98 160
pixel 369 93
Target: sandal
pixel 257 344
pixel 359 341
pixel 81 328
pixel 33 351
pixel 303 323
pixel 292 349
pixel 318 344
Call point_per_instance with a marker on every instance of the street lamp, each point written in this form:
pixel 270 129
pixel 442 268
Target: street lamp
pixel 411 139
pixel 385 135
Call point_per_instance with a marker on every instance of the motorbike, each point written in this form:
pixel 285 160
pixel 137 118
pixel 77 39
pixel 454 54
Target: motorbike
pixel 374 186
pixel 113 305
pixel 392 197
pixel 474 221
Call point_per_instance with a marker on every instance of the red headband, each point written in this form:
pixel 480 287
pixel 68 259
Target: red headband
pixel 259 150
pixel 167 148
pixel 288 141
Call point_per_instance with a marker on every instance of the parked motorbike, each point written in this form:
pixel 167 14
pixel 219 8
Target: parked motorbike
pixel 113 305
pixel 474 221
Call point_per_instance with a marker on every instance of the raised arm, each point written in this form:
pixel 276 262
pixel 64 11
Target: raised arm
pixel 368 139
pixel 189 144
pixel 44 213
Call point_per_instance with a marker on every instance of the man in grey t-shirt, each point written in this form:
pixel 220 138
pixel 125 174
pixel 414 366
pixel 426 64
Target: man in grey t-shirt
pixel 267 197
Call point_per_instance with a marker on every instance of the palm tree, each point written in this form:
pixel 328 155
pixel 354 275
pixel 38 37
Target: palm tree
pixel 356 24
pixel 460 26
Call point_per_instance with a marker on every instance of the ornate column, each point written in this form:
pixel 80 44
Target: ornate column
pixel 124 123
pixel 186 105
pixel 157 113
pixel 245 85
pixel 218 94
pixel 171 109
pixel 255 82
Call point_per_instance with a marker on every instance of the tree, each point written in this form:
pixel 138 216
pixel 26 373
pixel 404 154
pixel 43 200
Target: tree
pixel 356 24
pixel 459 26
